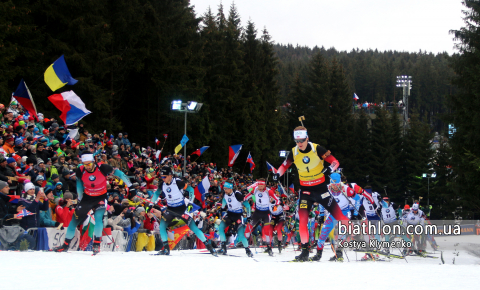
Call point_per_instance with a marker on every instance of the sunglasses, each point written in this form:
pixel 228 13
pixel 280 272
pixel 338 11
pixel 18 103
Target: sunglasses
pixel 88 164
pixel 300 140
pixel 164 176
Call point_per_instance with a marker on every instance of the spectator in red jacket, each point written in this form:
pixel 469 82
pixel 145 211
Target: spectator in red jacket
pixel 65 209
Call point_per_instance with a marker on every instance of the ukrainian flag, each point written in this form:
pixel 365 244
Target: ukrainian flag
pixel 57 75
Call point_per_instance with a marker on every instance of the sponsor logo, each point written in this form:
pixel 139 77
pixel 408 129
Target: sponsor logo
pixel 260 195
pixel 306 159
pixel 303 201
pixel 325 195
pixel 388 210
pixel 169 189
pixel 92 178
pixel 306 192
pixel 303 206
pixel 229 200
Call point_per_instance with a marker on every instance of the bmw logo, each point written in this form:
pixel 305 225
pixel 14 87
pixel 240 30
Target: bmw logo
pixel 260 195
pixel 337 200
pixel 92 177
pixel 229 200
pixel 169 189
pixel 387 210
pixel 306 159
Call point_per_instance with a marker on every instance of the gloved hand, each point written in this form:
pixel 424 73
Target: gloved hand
pixel 203 214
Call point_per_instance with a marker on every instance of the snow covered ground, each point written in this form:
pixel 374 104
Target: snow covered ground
pixel 195 270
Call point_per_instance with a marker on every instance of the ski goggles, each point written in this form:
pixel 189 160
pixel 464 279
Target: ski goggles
pixel 300 140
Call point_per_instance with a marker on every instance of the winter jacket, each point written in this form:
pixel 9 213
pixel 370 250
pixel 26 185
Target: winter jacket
pixel 126 142
pixel 131 230
pixel 114 223
pixel 64 215
pixel 4 199
pixel 46 218
pixel 32 221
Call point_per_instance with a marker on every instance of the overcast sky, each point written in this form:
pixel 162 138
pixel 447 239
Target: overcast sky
pixel 408 25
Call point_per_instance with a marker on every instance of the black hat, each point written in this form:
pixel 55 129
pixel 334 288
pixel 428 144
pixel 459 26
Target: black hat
pixel 166 170
pixel 54 176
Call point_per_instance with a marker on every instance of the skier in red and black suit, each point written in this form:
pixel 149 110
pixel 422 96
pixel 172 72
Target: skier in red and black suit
pixel 91 180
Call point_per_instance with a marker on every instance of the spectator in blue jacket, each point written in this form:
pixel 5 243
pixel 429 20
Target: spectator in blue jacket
pixel 34 204
pixel 126 141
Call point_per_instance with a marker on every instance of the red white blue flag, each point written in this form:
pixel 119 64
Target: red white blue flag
pixel 24 213
pixel 271 168
pixel 234 150
pixel 355 97
pixel 23 96
pixel 200 151
pixel 250 160
pixel 201 189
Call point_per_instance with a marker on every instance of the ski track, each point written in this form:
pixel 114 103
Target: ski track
pixel 189 270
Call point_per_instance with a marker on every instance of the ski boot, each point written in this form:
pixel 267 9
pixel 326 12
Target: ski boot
pixel 280 246
pixel 318 255
pixel 303 257
pixel 249 253
pixel 370 257
pixel 165 251
pixel 96 246
pixel 62 248
pixel 269 251
pixel 223 250
pixel 338 256
pixel 208 245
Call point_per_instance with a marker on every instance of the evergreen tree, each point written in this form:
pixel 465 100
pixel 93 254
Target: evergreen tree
pixel 465 115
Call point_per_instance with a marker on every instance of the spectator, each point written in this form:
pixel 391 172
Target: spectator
pixel 65 209
pixel 33 203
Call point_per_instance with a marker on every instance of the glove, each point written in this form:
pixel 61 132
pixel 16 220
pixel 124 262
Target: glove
pixel 202 214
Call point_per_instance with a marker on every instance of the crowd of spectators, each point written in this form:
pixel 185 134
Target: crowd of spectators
pixel 38 158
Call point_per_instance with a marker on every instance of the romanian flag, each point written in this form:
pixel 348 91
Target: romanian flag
pixel 57 75
pixel 250 160
pixel 200 151
pixel 233 152
pixel 23 96
pixel 182 143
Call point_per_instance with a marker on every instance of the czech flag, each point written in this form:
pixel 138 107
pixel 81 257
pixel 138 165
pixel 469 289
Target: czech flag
pixel 72 107
pixel 355 97
pixel 23 96
pixel 200 151
pixel 234 150
pixel 201 189
pixel 292 188
pixel 250 160
pixel 271 168
pixel 57 75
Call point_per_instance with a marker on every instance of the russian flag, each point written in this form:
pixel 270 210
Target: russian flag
pixel 23 96
pixel 72 107
pixel 271 168
pixel 200 151
pixel 201 189
pixel 57 75
pixel 234 150
pixel 355 97
pixel 250 160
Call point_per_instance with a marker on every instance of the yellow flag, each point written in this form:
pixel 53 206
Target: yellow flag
pixel 178 148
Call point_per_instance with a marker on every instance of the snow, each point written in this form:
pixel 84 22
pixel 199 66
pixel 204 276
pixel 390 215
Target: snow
pixel 194 270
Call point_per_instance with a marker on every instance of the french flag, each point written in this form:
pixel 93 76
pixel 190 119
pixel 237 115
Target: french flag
pixel 271 168
pixel 23 96
pixel 157 142
pixel 72 107
pixel 200 151
pixel 250 160
pixel 234 150
pixel 201 189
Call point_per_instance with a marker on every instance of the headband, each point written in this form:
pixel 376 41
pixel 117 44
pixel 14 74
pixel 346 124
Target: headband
pixel 301 134
pixel 260 182
pixel 228 185
pixel 87 158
